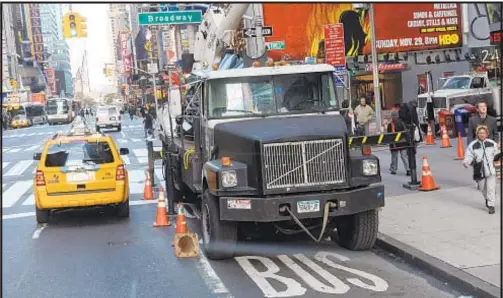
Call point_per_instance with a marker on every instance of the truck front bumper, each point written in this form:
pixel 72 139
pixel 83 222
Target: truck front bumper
pixel 267 209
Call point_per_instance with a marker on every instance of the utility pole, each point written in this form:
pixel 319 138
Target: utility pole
pixel 375 68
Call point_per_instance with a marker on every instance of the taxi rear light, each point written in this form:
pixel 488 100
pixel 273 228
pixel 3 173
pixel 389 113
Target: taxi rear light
pixel 121 173
pixel 39 178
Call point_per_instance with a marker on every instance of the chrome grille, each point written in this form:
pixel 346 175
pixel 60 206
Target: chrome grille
pixel 306 163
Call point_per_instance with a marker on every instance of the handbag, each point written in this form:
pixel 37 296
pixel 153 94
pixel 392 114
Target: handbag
pixel 417 134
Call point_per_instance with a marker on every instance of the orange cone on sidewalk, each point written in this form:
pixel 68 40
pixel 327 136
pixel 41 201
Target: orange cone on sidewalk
pixel 430 138
pixel 446 141
pixel 148 193
pixel 427 182
pixel 461 149
pixel 161 219
pixel 186 243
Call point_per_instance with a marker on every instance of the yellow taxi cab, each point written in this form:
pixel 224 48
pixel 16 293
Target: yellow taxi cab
pixel 80 169
pixel 20 121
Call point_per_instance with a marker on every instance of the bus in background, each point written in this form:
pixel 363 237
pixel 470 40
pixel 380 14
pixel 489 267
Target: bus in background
pixel 59 110
pixel 35 112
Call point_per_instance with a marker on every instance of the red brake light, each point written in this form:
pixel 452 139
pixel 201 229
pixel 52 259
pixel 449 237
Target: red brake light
pixel 121 173
pixel 39 178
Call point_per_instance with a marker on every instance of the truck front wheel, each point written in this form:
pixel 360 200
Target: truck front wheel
pixel 358 231
pixel 220 237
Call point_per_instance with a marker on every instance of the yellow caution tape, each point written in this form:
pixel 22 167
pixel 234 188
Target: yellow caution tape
pixel 379 139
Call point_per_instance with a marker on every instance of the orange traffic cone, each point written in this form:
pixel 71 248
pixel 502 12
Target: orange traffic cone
pixel 148 191
pixel 427 182
pixel 161 219
pixel 430 138
pixel 186 244
pixel 446 141
pixel 181 221
pixel 461 150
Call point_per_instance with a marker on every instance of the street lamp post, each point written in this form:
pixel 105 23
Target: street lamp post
pixel 154 85
pixel 375 68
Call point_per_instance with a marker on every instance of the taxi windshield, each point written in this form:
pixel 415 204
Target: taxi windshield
pixel 78 153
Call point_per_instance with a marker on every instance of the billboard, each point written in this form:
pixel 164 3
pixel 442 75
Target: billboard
pixel 418 26
pixel 50 74
pixel 35 31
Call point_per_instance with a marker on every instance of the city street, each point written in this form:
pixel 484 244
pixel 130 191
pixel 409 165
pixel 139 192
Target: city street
pixel 91 253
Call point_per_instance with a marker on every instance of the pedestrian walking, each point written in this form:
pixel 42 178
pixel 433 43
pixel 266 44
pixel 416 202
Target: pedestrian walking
pixel 87 113
pixel 480 154
pixel 364 114
pixel 131 114
pixel 148 122
pixel 396 125
pixel 482 118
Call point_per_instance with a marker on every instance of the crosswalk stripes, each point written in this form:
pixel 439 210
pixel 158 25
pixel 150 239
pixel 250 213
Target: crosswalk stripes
pixel 21 192
pixel 15 150
pixel 19 168
pixel 126 160
pixel 4 164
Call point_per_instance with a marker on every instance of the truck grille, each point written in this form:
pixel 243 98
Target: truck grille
pixel 302 164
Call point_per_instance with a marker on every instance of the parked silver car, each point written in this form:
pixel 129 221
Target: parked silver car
pixel 108 117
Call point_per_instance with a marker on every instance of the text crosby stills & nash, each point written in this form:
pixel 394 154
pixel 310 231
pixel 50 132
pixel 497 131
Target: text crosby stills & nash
pixel 443 18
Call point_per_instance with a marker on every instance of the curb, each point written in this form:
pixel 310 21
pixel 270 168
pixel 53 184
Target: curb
pixel 456 277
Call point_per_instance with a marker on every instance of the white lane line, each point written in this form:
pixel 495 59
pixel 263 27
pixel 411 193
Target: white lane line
pixel 126 160
pixel 158 173
pixel 123 134
pixel 14 150
pixel 5 149
pixel 5 163
pixel 15 192
pixel 18 215
pixel 140 152
pixel 136 188
pixel 209 276
pixel 142 202
pixel 30 201
pixel 37 232
pixel 136 176
pixel 31 134
pixel 142 160
pixel 19 168
pixel 34 147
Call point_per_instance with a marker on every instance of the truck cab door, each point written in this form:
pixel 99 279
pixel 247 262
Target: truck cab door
pixel 205 142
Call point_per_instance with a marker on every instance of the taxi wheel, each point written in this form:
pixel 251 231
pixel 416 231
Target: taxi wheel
pixel 42 215
pixel 123 209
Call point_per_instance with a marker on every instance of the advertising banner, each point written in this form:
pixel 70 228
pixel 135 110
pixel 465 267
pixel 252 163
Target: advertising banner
pixel 35 31
pixel 126 54
pixel 50 74
pixel 400 27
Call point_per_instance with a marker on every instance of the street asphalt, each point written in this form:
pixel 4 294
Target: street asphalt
pixel 91 253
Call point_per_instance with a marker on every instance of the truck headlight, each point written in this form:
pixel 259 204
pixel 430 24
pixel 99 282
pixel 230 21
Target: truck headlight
pixel 370 167
pixel 229 179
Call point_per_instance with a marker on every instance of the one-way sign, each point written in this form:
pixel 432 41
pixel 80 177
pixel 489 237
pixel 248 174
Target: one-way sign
pixel 252 32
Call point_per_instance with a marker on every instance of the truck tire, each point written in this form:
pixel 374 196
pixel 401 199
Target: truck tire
pixel 358 231
pixel 219 237
pixel 123 209
pixel 42 215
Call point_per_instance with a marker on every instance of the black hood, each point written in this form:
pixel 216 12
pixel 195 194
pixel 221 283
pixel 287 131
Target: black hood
pixel 267 130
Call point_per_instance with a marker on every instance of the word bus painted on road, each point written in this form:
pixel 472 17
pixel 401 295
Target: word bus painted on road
pixel 292 288
pixel 170 17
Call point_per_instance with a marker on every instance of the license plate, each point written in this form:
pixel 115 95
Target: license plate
pixel 308 206
pixel 80 177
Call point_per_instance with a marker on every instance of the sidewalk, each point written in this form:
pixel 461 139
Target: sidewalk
pixel 450 224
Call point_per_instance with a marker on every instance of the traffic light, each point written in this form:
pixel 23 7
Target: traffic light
pixel 74 25
pixel 81 26
pixel 13 83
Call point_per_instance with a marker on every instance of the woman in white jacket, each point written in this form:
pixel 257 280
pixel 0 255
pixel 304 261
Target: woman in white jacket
pixel 480 154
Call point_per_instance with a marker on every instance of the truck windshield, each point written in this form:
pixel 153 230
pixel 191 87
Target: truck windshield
pixel 272 95
pixel 457 83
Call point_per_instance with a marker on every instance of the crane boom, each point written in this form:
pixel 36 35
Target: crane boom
pixel 214 33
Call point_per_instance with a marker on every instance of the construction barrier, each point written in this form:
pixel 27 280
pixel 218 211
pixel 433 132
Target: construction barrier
pixel 380 139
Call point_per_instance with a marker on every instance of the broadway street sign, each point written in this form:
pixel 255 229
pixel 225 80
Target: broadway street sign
pixel 170 17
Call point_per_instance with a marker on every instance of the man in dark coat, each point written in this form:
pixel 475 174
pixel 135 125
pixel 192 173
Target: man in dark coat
pixel 482 118
pixel 408 114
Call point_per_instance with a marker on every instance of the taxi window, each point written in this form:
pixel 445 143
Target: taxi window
pixel 78 153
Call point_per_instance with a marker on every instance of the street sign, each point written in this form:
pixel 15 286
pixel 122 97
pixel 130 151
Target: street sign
pixel 275 45
pixel 252 32
pixel 339 75
pixel 170 17
pixel 152 68
pixel 335 51
pixel 171 67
